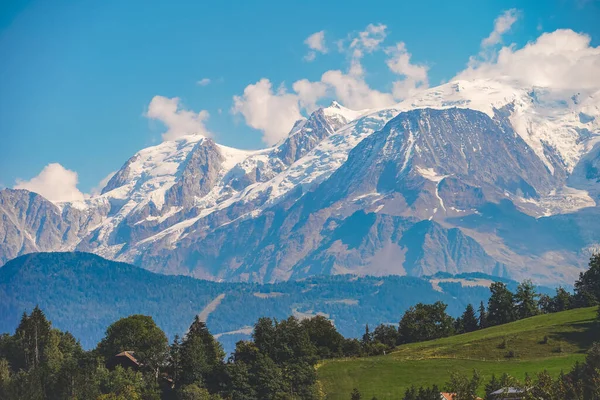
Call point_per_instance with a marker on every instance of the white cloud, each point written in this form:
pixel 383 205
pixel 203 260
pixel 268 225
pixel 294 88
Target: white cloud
pixel 369 39
pixel 275 112
pixel 55 183
pixel 366 41
pixel 502 24
pixel 309 93
pixel 272 112
pixel 179 122
pixel 353 92
pixel 415 76
pixel 310 56
pixel 316 43
pixel 562 59
pixel 203 82
pixel 96 190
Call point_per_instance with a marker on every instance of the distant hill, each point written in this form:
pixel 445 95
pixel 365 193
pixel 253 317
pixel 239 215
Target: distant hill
pixel 84 293
pixel 569 335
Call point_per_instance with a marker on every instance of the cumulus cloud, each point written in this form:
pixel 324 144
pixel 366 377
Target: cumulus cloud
pixel 55 183
pixel 275 111
pixel 272 112
pixel 179 122
pixel 353 92
pixel 309 93
pixel 316 43
pixel 369 40
pixel 502 24
pixel 415 75
pixel 350 88
pixel 364 42
pixel 96 190
pixel 562 59
pixel 203 82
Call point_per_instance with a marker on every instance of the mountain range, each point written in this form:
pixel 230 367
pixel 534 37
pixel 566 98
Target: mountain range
pixel 470 176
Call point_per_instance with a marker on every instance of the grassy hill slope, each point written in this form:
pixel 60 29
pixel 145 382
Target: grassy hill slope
pixel 569 335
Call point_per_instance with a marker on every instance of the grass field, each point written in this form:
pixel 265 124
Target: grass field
pixel 569 334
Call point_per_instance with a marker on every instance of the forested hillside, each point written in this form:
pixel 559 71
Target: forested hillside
pixel 83 293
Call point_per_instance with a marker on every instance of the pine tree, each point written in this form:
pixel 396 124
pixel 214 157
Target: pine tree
pixel 366 338
pixel 33 334
pixel 468 320
pixel 526 300
pixel 200 353
pixel 587 287
pixel 175 359
pixel 501 306
pixel 562 301
pixel 355 395
pixel 493 385
pixel 482 316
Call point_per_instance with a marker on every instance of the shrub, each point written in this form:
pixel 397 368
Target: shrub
pixel 504 344
pixel 559 349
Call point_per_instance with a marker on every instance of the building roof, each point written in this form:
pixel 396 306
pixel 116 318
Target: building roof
pixel 508 390
pixel 129 355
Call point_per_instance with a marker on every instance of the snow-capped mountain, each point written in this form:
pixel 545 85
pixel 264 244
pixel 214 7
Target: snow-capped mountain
pixel 468 176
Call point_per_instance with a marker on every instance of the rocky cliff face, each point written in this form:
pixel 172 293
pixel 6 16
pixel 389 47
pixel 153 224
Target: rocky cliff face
pixel 469 176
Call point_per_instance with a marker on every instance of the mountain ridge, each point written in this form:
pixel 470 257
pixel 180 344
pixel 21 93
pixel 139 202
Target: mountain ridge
pixel 444 155
pixel 84 293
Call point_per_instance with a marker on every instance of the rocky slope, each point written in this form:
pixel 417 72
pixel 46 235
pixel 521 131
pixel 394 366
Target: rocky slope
pixel 469 176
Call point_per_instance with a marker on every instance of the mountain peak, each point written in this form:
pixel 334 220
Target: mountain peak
pixel 337 110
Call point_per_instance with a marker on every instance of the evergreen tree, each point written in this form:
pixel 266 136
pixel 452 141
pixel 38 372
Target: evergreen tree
pixel 32 335
pixel 492 386
pixel 544 387
pixel 366 337
pixel 483 323
pixel 587 287
pixel 562 301
pixel 238 384
pixel 175 360
pixel 201 355
pixel 410 393
pixel 501 305
pixel 468 319
pixel 355 395
pixel 545 304
pixel 264 335
pixel 526 300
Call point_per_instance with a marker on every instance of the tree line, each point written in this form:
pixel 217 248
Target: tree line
pixel 41 362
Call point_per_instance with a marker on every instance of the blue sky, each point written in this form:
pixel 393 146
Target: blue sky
pixel 77 78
